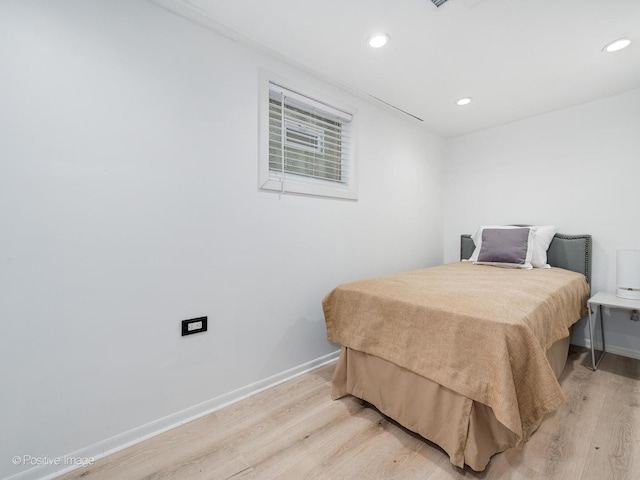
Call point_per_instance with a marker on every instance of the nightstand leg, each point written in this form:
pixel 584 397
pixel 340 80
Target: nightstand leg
pixel 595 362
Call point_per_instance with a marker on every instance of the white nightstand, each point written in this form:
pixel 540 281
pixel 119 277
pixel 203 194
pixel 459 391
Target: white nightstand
pixel 605 299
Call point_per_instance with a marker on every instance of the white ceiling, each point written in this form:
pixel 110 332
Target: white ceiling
pixel 515 58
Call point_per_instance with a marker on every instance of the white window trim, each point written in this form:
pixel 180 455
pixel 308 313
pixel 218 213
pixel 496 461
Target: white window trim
pixel 303 185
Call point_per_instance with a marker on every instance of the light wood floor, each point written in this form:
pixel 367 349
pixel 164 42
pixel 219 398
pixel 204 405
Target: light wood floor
pixel 295 431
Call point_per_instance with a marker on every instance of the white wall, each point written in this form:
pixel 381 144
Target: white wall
pixel 577 168
pixel 129 201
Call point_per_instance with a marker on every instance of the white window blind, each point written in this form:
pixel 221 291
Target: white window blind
pixel 310 144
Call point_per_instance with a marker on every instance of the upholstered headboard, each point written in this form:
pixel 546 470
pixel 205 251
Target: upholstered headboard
pixel 571 252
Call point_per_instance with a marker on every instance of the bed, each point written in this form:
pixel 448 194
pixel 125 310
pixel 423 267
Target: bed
pixel 466 355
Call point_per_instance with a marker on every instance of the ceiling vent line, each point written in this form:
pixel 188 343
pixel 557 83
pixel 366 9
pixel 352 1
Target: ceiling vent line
pixel 438 3
pixel 397 108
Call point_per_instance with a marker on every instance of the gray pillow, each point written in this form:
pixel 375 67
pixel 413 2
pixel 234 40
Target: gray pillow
pixel 506 247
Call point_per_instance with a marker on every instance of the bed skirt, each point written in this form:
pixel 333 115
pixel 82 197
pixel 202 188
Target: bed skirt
pixel 466 430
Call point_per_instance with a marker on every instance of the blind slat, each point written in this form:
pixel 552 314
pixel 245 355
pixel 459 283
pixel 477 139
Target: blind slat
pixel 276 91
pixel 327 168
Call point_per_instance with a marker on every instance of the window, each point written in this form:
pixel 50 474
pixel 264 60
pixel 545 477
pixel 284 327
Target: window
pixel 309 146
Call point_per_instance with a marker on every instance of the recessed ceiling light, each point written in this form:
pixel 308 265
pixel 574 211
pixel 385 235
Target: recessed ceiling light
pixel 378 40
pixel 617 45
pixel 464 101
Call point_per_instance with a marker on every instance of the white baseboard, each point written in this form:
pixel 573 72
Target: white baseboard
pixel 144 432
pixel 623 351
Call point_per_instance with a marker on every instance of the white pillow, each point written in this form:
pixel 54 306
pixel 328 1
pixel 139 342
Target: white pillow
pixel 541 241
pixel 500 246
pixel 542 237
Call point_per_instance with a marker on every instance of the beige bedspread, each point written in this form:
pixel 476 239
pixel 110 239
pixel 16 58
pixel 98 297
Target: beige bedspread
pixel 480 331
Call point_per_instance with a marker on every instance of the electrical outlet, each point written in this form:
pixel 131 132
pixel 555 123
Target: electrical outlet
pixel 194 325
pixel 634 316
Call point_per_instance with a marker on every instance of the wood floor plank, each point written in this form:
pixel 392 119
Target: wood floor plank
pixel 615 449
pixel 295 431
pixel 302 455
pixel 404 453
pixel 188 449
